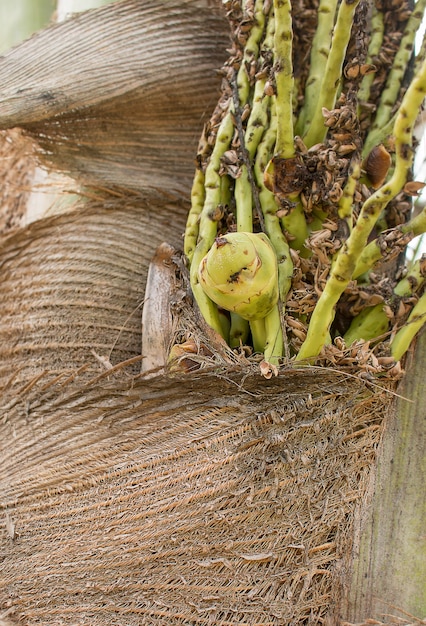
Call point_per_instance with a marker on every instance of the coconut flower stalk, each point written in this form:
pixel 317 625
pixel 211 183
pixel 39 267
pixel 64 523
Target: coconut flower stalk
pixel 318 158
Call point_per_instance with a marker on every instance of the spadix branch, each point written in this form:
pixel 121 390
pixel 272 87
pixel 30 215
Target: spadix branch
pixel 256 124
pixel 208 220
pixel 197 202
pixel 399 67
pixel 269 207
pixel 333 72
pixel 373 322
pixel 251 52
pixel 284 78
pixel 373 251
pixel 345 205
pixel 376 40
pixel 406 334
pixel 413 280
pixel 345 262
pixel 319 55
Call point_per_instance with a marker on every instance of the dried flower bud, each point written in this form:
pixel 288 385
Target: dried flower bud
pixel 413 187
pixel 269 89
pixel 377 165
pixel 367 69
pixel 285 177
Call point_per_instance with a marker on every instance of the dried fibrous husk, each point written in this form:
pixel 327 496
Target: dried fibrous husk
pixel 215 498
pixel 72 286
pixel 117 95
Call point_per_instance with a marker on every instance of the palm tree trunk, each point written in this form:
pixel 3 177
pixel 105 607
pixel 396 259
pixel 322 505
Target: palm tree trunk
pixel 389 559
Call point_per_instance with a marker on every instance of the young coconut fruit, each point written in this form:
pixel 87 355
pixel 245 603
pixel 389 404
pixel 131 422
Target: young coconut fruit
pixel 240 274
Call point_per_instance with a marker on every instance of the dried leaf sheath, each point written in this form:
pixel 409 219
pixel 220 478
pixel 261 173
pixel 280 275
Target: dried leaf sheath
pixel 175 500
pixel 72 287
pixel 118 94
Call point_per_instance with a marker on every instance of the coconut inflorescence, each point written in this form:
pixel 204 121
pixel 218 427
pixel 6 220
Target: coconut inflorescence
pixel 316 160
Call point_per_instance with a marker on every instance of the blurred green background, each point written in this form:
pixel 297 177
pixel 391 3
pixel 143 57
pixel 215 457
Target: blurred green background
pixel 20 18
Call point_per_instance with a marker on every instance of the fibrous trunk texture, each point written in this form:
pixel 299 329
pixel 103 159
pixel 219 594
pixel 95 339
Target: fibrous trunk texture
pixel 197 500
pixel 108 103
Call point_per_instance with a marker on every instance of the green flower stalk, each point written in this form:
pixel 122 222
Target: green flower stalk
pixel 256 123
pixel 373 252
pixel 413 280
pixel 399 67
pixel 284 78
pixel 346 201
pixel 280 227
pixel 207 219
pixel 376 40
pixel 384 119
pixel 319 55
pixel 332 73
pixel 283 113
pixel 370 324
pixel 403 338
pixel 198 196
pixel 345 262
pixel 270 207
pixel 373 322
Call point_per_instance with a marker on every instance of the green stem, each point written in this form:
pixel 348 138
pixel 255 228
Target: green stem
pixel 243 202
pixel 376 40
pixel 421 55
pixel 208 221
pixel 373 322
pixel 256 123
pixel 370 324
pixel 295 224
pixel 318 58
pixel 283 44
pixel 251 52
pixel 238 331
pixel 345 205
pixel 403 338
pixel 274 337
pixel 373 251
pixel 377 136
pixel 412 281
pixel 258 334
pixel 332 73
pixel 389 95
pixel 269 209
pixel 255 128
pixel 197 202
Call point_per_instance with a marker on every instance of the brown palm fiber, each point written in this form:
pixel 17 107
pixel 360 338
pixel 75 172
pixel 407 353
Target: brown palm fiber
pixel 18 164
pixel 216 498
